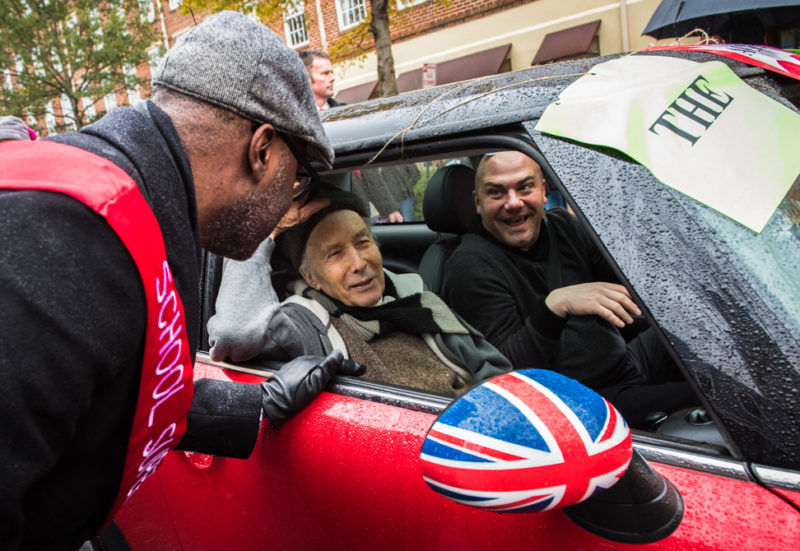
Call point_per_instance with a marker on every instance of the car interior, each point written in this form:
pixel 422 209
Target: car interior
pixel 444 209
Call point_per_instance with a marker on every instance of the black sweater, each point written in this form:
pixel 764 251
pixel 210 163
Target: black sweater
pixel 72 322
pixel 501 290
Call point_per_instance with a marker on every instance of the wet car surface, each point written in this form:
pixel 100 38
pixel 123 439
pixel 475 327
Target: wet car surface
pixel 344 474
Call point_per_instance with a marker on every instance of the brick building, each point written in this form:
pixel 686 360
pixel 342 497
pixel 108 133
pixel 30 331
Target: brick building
pixel 468 38
pixel 463 39
pixel 456 41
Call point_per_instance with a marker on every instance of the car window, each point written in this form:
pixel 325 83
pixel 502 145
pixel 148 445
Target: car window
pixel 398 246
pixel 769 261
pixel 395 192
pixel 725 296
pixel 399 189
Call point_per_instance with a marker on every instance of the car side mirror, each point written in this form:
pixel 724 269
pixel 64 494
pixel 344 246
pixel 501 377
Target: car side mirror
pixel 534 440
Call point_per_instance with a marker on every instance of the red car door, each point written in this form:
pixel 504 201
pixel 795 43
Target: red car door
pixel 345 474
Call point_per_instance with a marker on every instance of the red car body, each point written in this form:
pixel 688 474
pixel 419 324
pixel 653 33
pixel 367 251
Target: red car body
pixel 344 475
pixel 345 472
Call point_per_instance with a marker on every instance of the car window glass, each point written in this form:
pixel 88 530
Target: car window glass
pixel 395 192
pixel 724 296
pixel 377 184
pixel 770 260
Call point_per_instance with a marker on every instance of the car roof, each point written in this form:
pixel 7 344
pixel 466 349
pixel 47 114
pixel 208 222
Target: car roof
pixel 681 245
pixel 478 104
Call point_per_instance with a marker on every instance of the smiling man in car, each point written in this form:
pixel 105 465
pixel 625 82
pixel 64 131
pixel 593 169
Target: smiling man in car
pixel 540 290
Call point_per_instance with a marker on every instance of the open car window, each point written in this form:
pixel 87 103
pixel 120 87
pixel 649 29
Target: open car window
pixel 403 246
pixel 756 266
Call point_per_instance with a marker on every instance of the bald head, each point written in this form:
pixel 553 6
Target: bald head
pixel 510 195
pixel 499 161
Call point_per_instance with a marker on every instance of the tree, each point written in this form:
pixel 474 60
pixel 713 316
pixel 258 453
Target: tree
pixel 358 41
pixel 75 50
pixel 353 45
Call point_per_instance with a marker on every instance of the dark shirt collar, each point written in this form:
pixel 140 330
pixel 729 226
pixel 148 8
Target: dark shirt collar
pixel 538 251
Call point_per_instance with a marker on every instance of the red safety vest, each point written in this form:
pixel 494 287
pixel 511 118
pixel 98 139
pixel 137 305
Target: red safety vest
pixel 165 391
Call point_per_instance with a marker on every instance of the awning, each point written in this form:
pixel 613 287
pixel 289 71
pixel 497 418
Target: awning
pixel 357 93
pixel 479 64
pixel 572 42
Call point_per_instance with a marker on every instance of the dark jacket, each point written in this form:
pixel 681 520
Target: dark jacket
pixel 333 103
pixel 72 322
pixel 501 290
pixel 250 322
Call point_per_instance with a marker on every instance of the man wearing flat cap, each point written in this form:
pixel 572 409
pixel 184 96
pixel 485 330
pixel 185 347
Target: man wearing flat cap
pixel 100 263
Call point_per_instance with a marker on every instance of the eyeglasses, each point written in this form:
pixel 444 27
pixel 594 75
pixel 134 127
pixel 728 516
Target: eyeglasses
pixel 306 176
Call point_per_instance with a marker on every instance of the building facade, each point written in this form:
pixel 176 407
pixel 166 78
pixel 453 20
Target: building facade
pixel 469 38
pixel 433 42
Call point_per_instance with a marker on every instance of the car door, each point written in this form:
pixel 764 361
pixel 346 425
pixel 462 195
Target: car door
pixel 345 474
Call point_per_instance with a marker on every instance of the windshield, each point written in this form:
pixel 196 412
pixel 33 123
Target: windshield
pixel 726 298
pixel 769 261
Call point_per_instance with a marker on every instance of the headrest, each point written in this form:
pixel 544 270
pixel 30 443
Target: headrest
pixel 448 205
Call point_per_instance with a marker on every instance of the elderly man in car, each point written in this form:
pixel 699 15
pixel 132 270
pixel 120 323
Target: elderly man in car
pixel 346 300
pixel 541 291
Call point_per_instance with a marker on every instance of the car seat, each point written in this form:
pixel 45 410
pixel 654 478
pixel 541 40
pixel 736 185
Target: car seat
pixel 448 209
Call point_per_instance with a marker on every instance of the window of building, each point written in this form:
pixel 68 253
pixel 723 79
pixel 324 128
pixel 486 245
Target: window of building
pixel 294 24
pixel 175 4
pixel 50 118
pixel 111 101
pixel 88 108
pixel 95 13
pixel 403 4
pixel 154 56
pixel 350 12
pixel 147 10
pixel 253 15
pixel 123 16
pixel 134 95
pixel 67 113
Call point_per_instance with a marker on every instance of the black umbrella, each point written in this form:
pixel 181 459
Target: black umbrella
pixel 735 20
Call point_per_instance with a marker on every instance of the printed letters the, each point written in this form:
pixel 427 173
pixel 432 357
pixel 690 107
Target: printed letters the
pixel 697 105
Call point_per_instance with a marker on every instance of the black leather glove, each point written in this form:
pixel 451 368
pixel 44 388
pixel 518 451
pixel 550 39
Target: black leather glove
pixel 300 381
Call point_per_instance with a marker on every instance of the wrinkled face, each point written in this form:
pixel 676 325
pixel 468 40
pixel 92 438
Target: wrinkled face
pixel 246 219
pixel 510 195
pixel 321 73
pixel 343 260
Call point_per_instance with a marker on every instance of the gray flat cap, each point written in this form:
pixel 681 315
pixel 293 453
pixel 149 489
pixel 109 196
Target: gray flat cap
pixel 233 62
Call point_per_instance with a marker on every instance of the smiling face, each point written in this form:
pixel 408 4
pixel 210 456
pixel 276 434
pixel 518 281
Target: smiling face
pixel 510 195
pixel 343 261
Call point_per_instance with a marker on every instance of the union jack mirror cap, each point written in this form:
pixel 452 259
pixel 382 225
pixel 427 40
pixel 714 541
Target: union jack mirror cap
pixel 526 441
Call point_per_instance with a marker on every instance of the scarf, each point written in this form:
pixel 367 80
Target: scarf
pixel 405 306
